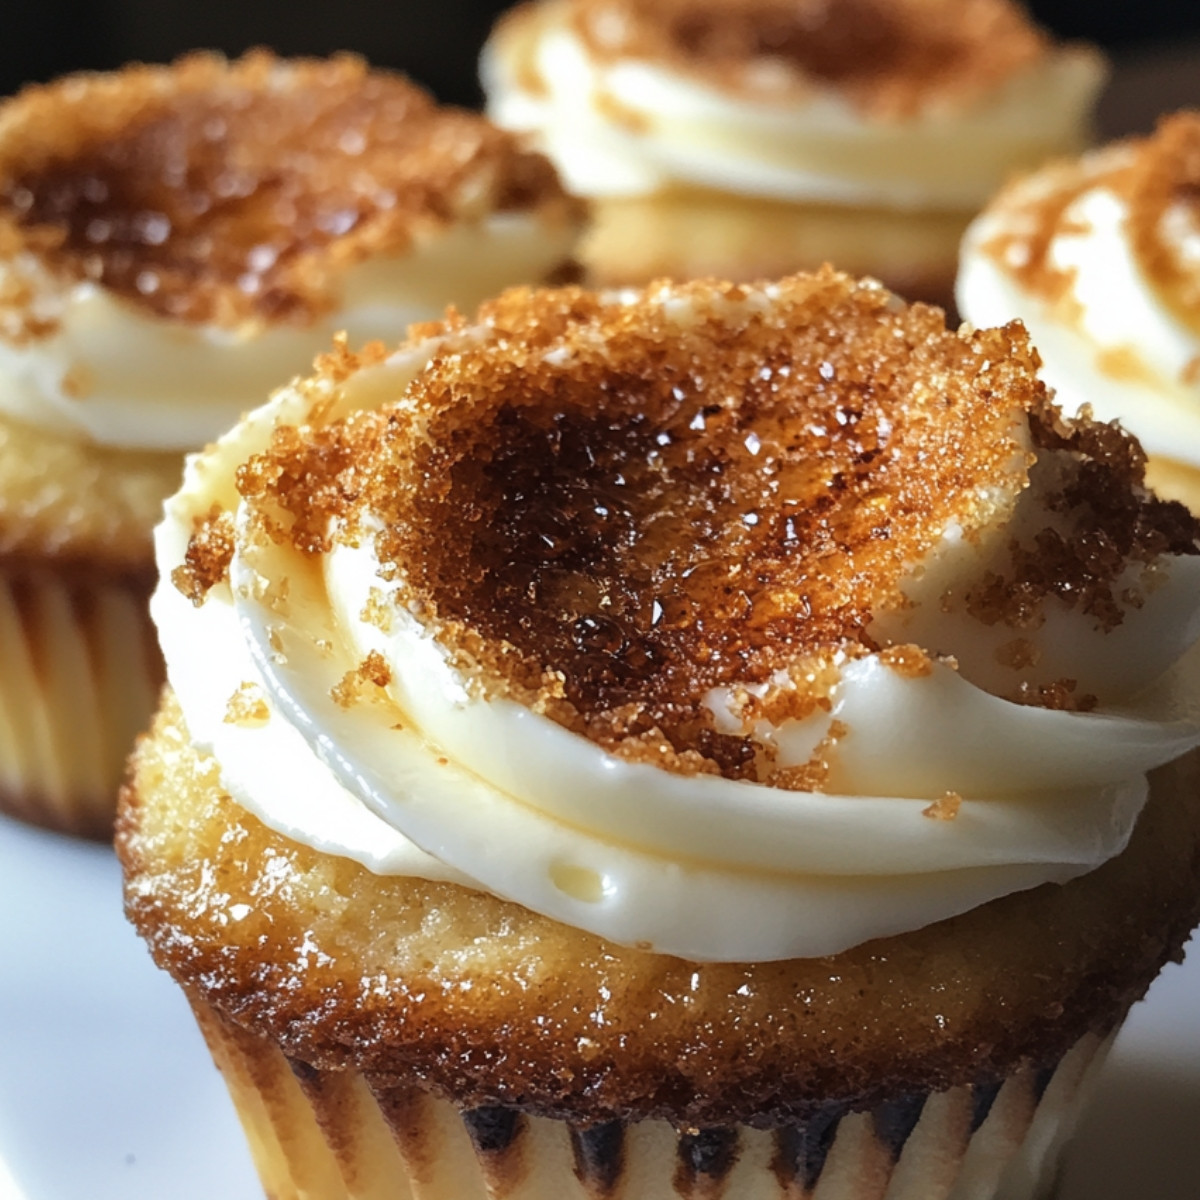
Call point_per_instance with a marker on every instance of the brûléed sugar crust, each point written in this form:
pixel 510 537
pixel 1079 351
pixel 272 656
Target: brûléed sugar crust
pixel 258 181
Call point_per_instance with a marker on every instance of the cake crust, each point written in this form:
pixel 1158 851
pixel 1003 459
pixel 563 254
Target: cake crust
pixel 78 507
pixel 488 1003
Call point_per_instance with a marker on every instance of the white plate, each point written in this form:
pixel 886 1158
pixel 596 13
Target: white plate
pixel 107 1091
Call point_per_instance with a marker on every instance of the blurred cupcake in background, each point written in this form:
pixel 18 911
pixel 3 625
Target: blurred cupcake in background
pixel 748 138
pixel 174 242
pixel 1100 257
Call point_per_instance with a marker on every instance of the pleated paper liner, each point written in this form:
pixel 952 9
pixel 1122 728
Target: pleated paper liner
pixel 328 1135
pixel 80 674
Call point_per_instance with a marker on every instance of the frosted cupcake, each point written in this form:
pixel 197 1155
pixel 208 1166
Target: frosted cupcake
pixel 1101 260
pixel 174 243
pixel 753 138
pixel 669 743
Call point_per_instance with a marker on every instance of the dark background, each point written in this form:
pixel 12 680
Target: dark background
pixel 436 41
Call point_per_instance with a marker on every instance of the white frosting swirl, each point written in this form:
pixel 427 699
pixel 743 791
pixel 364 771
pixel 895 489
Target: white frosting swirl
pixel 1106 337
pixel 636 127
pixel 117 374
pixel 428 779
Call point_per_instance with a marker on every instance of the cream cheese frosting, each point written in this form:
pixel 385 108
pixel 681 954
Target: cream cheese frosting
pixel 1064 250
pixel 104 372
pixel 175 241
pixel 627 123
pixel 352 724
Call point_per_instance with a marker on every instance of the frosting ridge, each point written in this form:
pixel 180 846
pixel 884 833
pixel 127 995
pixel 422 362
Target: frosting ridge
pixel 793 819
pixel 204 228
pixel 631 99
pixel 1098 257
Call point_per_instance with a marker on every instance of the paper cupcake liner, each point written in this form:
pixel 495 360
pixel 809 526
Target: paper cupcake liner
pixel 327 1135
pixel 80 673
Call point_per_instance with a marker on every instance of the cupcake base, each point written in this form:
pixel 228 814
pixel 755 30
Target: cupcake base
pixel 695 233
pixel 341 1135
pixel 392 1036
pixel 80 674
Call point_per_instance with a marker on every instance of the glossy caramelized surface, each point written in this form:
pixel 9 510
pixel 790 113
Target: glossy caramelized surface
pixel 890 58
pixel 610 507
pixel 607 507
pixel 210 191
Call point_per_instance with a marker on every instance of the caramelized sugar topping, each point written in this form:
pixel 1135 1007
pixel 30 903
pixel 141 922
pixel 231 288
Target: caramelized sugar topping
pixel 608 509
pixel 1100 521
pixel 1164 212
pixel 1158 177
pixel 220 192
pixel 890 57
pixel 209 553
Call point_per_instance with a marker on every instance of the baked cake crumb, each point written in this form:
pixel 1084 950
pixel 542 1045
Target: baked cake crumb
pixel 1018 654
pixel 813 775
pixel 378 610
pixel 908 660
pixel 1108 522
pixel 1059 695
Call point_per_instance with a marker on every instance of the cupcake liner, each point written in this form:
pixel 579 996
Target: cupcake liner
pixel 79 676
pixel 339 1135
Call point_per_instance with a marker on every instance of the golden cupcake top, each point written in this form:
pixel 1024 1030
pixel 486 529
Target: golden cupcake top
pixel 282 957
pixel 221 192
pixel 610 505
pixel 743 617
pixel 1156 179
pixel 891 58
pixel 911 105
pixel 1164 212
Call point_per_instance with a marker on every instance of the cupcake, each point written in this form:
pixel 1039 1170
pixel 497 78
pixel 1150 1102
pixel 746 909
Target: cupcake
pixel 174 243
pixel 709 741
pixel 748 139
pixel 1099 258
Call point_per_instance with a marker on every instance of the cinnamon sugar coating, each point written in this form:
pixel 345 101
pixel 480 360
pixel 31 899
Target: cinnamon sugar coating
pixel 606 508
pixel 225 192
pixel 891 58
pixel 486 1002
pixel 1164 209
pixel 1115 523
pixel 1158 178
pixel 209 553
